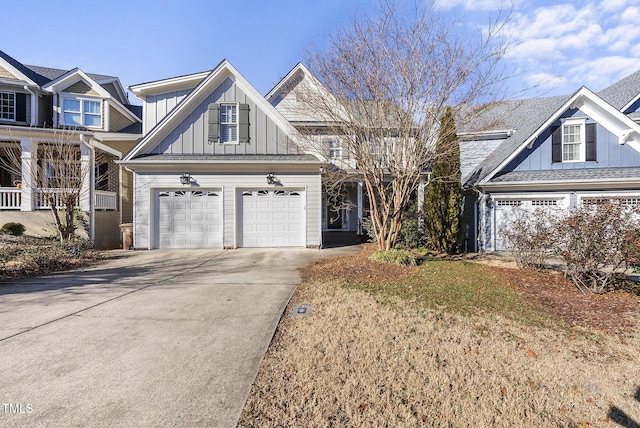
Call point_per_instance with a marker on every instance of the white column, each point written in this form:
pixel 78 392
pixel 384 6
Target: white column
pixel 107 118
pixel 86 193
pixel 29 163
pixel 360 208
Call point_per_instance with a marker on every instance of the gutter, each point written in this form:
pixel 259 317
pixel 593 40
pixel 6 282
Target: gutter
pixel 34 105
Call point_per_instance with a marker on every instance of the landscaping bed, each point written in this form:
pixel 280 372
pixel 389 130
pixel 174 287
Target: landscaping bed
pixel 22 256
pixel 449 343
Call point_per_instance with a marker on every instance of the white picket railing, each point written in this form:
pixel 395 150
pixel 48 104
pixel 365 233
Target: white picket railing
pixel 10 198
pixel 106 200
pixel 41 201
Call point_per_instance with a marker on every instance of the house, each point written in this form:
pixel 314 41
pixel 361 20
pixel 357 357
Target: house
pixel 220 167
pixel 550 153
pixel 37 105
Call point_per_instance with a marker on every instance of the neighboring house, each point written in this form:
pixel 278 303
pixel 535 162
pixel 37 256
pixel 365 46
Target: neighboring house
pixel 35 103
pixel 220 167
pixel 549 153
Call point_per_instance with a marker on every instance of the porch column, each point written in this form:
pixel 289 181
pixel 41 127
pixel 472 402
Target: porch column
pixel 421 187
pixel 86 193
pixel 360 208
pixel 29 166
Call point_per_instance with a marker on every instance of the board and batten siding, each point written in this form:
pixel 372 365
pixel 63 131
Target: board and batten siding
pixel 191 136
pixel 147 185
pixel 157 106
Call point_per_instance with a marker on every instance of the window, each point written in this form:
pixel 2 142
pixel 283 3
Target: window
pixel 228 123
pixel 573 141
pixel 81 112
pixel 335 150
pixel 7 106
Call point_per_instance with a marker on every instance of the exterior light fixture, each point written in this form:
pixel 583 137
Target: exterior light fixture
pixel 489 200
pixel 185 178
pixel 271 179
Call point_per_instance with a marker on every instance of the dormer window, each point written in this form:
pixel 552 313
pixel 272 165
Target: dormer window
pixel 82 112
pixel 8 106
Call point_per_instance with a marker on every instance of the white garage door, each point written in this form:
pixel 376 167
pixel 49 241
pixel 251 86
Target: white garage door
pixel 507 210
pixel 272 218
pixel 189 219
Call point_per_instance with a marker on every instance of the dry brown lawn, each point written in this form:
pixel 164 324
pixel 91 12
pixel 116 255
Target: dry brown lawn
pixel 366 358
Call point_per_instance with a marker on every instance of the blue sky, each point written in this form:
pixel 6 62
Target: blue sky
pixel 556 46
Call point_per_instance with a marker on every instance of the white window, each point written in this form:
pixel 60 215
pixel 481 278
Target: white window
pixel 335 149
pixel 7 105
pixel 81 112
pixel 229 123
pixel 573 140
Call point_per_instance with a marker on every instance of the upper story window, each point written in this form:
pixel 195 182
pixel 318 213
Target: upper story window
pixel 8 106
pixel 573 141
pixel 228 123
pixel 335 148
pixel 82 112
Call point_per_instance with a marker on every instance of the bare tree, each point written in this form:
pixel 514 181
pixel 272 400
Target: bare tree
pixel 58 177
pixel 391 75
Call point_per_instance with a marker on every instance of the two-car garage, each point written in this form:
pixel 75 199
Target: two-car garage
pixel 194 218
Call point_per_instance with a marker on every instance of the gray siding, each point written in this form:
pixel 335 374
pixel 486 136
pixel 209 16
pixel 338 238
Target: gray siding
pixel 146 185
pixel 80 88
pixel 156 107
pixel 191 136
pixel 117 120
pixel 609 152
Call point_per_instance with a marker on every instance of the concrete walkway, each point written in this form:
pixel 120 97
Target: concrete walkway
pixel 157 338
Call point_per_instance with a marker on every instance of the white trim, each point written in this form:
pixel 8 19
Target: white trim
pixel 82 99
pixel 581 123
pixel 168 85
pixel 10 68
pixel 14 107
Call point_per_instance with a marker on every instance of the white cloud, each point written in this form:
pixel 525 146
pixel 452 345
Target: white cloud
pixel 602 72
pixel 476 4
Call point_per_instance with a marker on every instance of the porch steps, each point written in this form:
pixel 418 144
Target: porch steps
pixel 340 239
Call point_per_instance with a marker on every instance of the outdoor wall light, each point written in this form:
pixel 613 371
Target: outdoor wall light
pixel 185 178
pixel 271 179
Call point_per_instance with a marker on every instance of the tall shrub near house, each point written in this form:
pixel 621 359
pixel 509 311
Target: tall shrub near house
pixel 443 197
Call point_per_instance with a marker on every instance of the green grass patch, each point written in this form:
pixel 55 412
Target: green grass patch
pixel 459 287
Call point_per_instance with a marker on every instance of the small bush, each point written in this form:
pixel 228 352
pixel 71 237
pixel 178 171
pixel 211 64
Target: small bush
pixel 398 257
pixel 12 228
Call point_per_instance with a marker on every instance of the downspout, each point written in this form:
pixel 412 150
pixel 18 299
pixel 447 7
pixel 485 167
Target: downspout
pixel 34 106
pixel 92 217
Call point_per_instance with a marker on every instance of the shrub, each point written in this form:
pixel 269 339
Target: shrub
pixel 12 228
pixel 395 256
pixel 529 237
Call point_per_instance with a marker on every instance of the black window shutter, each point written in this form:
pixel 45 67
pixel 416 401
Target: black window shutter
pixel 591 146
pixel 243 128
pixel 21 107
pixel 556 144
pixel 214 122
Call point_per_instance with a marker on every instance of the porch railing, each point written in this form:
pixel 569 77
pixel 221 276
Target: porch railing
pixel 41 202
pixel 105 200
pixel 10 198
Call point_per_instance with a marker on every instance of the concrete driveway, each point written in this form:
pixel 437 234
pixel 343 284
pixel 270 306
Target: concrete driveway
pixel 158 338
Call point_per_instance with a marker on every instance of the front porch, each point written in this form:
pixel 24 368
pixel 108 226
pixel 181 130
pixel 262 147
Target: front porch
pixel 34 175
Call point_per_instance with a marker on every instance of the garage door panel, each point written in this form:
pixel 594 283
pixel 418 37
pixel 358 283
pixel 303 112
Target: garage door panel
pixel 189 219
pixel 272 218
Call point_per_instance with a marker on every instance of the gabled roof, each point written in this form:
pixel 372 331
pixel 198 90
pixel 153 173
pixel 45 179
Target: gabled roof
pixel 623 93
pixel 215 77
pixel 532 117
pixel 523 116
